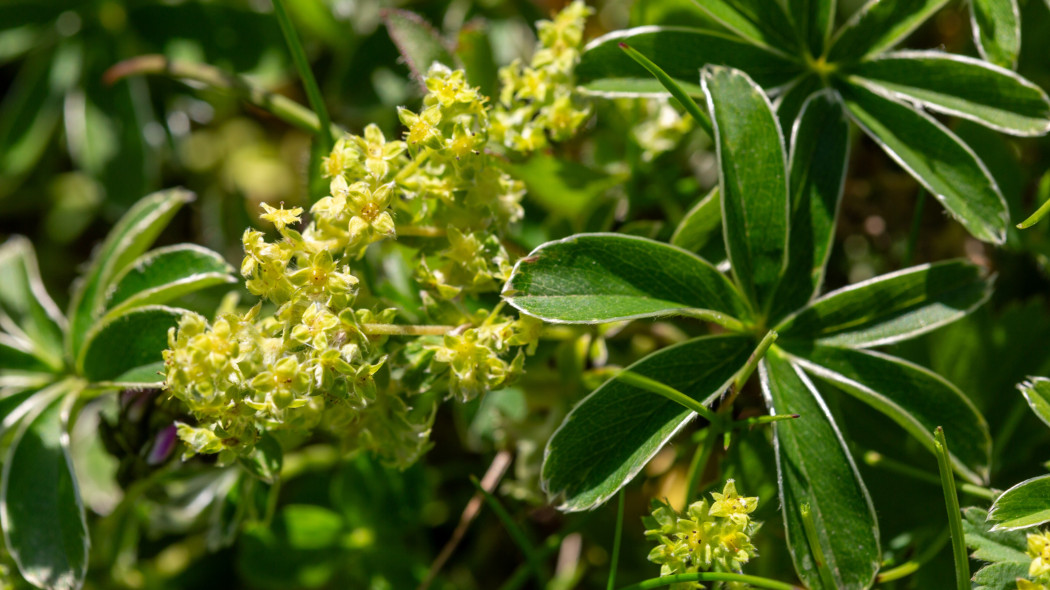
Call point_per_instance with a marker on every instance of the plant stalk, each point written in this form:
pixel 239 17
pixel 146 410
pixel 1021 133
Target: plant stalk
pixel 313 92
pixel 756 581
pixel 951 502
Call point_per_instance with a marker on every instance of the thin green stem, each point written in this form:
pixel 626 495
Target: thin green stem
pixel 417 161
pixel 313 92
pixel 728 322
pixel 764 419
pixel 756 581
pixel 654 386
pixel 419 231
pixel 280 106
pixel 515 532
pixel 404 330
pixel 751 364
pixel 614 561
pixel 951 501
pixel 272 496
pixel 810 530
pixel 699 462
pixel 1040 213
pixel 876 459
pixel 916 223
pixel 676 91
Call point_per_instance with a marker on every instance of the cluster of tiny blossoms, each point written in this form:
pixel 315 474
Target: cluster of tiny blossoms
pixel 537 100
pixel 1039 570
pixel 329 357
pixel 712 536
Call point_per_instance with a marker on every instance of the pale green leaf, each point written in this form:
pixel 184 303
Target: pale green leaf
pixel 43 519
pixel 891 307
pixel 815 468
pixel 33 322
pixel 561 186
pixel 165 274
pixel 993 546
pixel 604 68
pixel 128 239
pixel 753 180
pixel 819 155
pixel 878 26
pixel 1036 392
pixel 1026 504
pixel 594 278
pixel 610 435
pixel 938 159
pixel 702 225
pixel 417 40
pixel 914 397
pixel 962 86
pixel 1000 576
pixel 265 459
pixel 997 30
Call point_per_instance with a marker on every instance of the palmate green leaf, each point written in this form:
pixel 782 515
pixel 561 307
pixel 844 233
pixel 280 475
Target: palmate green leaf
pixel 165 274
pixel 935 157
pixel 991 545
pixel 128 239
pixel 914 397
pixel 813 20
pixel 33 322
pixel 753 180
pixel 1036 392
pixel 610 435
pixel 788 103
pixel 819 155
pixel 997 30
pixel 814 467
pixel 1026 504
pixel 878 26
pixel 1000 576
pixel 417 40
pixel 762 22
pixel 891 307
pixel 43 519
pixel 605 70
pixel 594 278
pixel 701 227
pixel 961 86
pixel 127 342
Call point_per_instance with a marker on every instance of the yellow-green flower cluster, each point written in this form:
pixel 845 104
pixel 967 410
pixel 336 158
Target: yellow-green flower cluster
pixel 536 102
pixel 713 536
pixel 328 356
pixel 1039 570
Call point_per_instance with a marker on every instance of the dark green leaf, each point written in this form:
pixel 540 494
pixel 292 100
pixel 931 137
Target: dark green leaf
pixel 16 356
pixel 419 43
pixel 1027 504
pixel 474 49
pixel 610 435
pixel 150 376
pixel 44 525
pixel 604 69
pixel 763 22
pixel 935 157
pixel 997 30
pixel 164 274
pixel 118 345
pixel 594 278
pixel 1000 576
pixel 560 186
pixel 815 468
pixel 989 545
pixel 128 239
pixel 813 20
pixel 964 87
pixel 753 181
pixel 302 549
pixel 878 26
pixel 16 404
pixel 1036 392
pixel 36 324
pixel 819 155
pixel 265 460
pixel 915 398
pixel 892 307
pixel 702 224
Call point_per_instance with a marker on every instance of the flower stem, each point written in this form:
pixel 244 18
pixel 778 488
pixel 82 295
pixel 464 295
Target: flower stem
pixel 951 501
pixel 313 93
pixel 810 530
pixel 419 231
pixel 876 459
pixel 699 462
pixel 654 386
pixel 404 330
pixel 750 366
pixel 614 561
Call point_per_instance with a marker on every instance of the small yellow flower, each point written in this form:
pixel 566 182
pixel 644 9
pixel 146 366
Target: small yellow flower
pixel 1039 550
pixel 281 217
pixel 730 505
